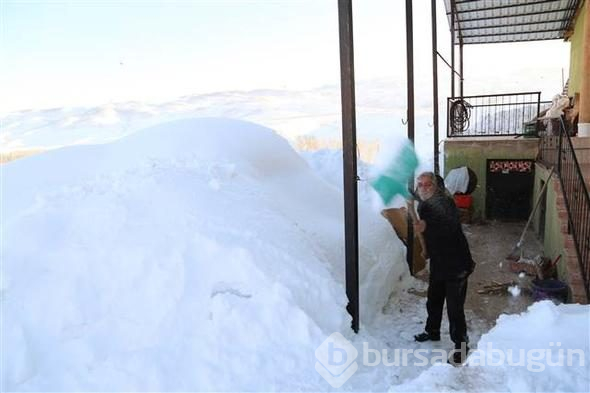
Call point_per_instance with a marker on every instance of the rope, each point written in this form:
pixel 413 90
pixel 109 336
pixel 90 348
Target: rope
pixel 459 116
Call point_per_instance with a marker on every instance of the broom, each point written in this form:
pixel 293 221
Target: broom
pixel 516 252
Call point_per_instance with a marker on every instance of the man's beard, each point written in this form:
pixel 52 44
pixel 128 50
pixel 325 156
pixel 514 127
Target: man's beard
pixel 424 195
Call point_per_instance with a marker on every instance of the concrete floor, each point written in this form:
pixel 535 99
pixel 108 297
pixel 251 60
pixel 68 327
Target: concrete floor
pixel 490 244
pixel 405 314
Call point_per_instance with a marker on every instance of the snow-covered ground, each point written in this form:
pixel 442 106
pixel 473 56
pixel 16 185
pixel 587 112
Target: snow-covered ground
pixel 207 255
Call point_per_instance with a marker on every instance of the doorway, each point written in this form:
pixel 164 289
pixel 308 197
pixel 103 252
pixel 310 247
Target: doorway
pixel 509 189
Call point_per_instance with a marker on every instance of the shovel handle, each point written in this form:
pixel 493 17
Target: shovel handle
pixel 415 218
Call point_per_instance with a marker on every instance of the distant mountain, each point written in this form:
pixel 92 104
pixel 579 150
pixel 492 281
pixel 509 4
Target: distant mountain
pixel 291 113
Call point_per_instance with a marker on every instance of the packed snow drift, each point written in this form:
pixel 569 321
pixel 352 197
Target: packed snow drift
pixel 196 255
pixel 207 255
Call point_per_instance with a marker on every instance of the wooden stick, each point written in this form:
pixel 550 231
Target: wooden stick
pixel 412 211
pixel 518 246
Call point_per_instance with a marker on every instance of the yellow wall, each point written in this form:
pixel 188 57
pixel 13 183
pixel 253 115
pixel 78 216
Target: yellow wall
pixel 577 51
pixel 552 238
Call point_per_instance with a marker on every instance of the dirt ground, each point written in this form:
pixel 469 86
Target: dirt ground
pixel 490 243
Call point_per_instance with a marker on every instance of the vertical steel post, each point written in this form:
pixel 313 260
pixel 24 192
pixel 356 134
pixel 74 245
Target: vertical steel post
pixel 460 65
pixel 460 34
pixel 410 68
pixel 349 159
pixel 410 87
pixel 538 111
pixel 434 86
pixel 452 48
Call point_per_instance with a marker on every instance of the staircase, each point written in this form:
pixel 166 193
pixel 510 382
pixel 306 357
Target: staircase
pixel 572 161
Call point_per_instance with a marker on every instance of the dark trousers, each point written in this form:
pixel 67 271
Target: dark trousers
pixel 454 292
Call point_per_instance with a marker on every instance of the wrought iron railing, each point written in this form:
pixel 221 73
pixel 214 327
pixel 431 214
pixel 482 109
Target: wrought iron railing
pixel 558 152
pixel 549 150
pixel 494 115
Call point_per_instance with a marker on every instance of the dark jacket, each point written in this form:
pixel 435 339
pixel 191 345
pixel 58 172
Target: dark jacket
pixel 446 244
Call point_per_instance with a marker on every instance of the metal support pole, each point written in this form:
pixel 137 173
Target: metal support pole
pixel 435 86
pixel 410 86
pixel 538 111
pixel 460 34
pixel 452 48
pixel 349 159
pixel 461 66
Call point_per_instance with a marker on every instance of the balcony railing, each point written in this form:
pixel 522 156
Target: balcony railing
pixel 558 152
pixel 494 115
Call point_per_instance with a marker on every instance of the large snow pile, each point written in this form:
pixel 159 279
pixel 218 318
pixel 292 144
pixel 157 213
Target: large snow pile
pixel 327 163
pixel 206 255
pixel 196 255
pixel 545 349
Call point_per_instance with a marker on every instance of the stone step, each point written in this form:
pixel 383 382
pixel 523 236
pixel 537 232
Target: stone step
pixel 582 148
pixel 585 168
pixel 581 142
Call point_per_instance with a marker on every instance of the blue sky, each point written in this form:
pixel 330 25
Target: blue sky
pixel 64 53
pixel 119 50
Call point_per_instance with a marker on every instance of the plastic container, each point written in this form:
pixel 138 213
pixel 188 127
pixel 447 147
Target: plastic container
pixel 463 201
pixel 549 289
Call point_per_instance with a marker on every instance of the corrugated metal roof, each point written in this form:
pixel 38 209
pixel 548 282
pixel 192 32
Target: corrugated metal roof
pixel 493 21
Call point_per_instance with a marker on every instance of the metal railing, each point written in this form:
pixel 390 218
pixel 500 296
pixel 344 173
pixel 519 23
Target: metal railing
pixel 558 151
pixel 494 115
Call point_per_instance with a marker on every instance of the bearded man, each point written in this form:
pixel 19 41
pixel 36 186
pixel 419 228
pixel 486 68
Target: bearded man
pixel 450 263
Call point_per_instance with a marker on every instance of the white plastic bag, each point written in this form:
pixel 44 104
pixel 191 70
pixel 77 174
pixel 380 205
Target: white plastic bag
pixel 559 103
pixel 457 180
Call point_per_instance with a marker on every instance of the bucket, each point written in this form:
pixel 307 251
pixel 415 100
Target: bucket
pixel 549 289
pixel 463 201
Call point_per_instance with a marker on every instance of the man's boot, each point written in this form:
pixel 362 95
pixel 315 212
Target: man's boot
pixel 459 354
pixel 425 336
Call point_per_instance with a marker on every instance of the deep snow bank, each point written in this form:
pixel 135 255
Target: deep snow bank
pixel 545 349
pixel 196 255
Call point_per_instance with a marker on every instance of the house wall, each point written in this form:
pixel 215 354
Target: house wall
pixel 576 52
pixel 553 237
pixel 474 153
pixel 556 237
